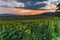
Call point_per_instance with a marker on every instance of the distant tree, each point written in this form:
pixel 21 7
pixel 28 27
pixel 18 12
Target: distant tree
pixel 58 6
pixel 58 10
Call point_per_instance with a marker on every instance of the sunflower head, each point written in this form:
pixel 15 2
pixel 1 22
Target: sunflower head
pixel 28 31
pixel 22 27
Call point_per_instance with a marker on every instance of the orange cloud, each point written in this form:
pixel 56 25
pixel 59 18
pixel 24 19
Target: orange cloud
pixel 21 11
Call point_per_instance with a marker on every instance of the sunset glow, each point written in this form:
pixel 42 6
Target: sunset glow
pixel 21 11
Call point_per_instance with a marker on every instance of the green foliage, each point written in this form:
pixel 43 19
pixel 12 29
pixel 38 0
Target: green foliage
pixel 30 30
pixel 58 12
pixel 58 6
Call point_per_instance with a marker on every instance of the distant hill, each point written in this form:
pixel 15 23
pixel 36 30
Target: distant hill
pixel 13 17
pixel 5 14
pixel 47 14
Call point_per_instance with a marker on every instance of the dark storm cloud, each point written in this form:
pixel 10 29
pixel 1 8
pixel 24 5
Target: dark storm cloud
pixel 33 4
pixel 31 0
pixel 30 4
pixel 37 6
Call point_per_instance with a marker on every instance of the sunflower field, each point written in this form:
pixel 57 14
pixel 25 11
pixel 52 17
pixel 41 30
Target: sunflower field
pixel 30 30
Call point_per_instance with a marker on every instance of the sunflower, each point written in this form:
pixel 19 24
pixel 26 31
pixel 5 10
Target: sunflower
pixel 22 27
pixel 28 31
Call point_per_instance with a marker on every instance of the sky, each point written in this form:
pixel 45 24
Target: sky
pixel 26 3
pixel 7 5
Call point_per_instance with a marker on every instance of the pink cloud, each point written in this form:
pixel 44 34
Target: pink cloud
pixel 20 11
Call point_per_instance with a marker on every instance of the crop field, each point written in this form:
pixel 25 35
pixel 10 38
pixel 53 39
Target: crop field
pixel 30 29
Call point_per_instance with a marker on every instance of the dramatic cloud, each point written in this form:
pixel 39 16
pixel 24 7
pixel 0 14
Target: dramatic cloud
pixel 8 6
pixel 20 11
pixel 11 3
pixel 49 6
pixel 26 3
pixel 30 0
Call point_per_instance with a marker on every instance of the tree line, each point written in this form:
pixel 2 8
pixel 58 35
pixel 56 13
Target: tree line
pixel 58 10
